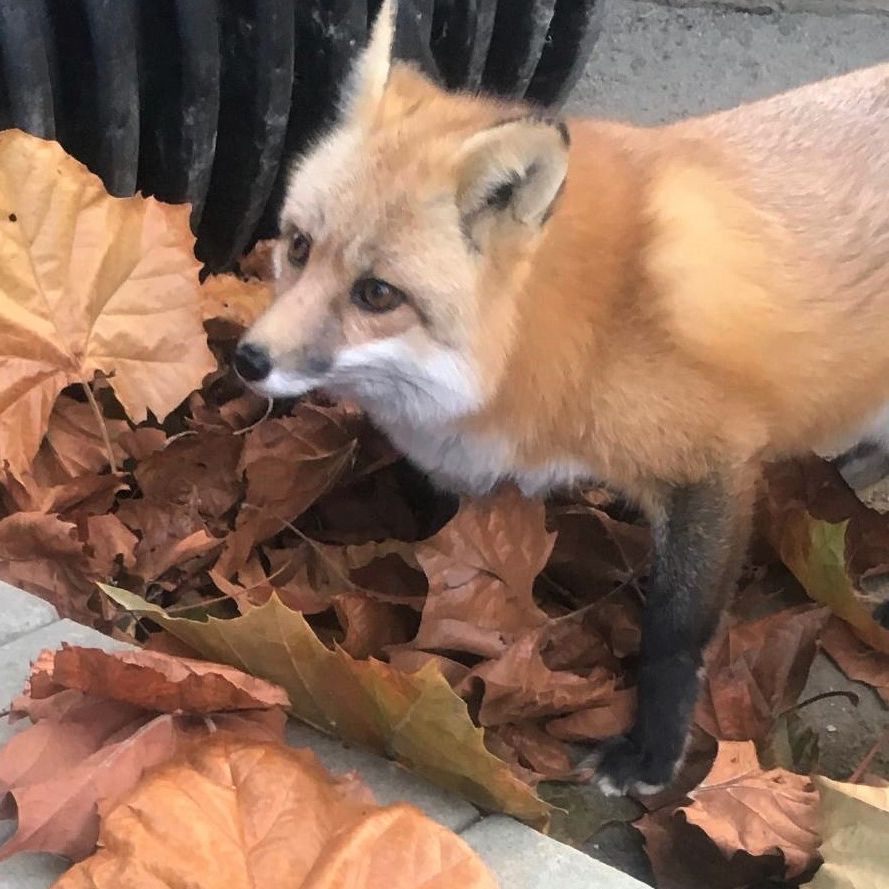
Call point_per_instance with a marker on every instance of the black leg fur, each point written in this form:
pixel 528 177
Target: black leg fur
pixel 700 536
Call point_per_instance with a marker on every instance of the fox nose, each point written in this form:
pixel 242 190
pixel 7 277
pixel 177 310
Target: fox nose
pixel 252 362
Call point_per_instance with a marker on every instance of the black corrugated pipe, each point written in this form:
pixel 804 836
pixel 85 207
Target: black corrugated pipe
pixel 200 100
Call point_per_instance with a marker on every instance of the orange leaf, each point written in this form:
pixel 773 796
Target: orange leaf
pixel 230 814
pixel 84 752
pixel 161 682
pixel 756 671
pixel 91 284
pixel 481 568
pixel 743 808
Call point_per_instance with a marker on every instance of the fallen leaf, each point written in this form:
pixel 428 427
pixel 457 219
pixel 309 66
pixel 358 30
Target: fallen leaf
pixel 414 718
pixel 74 439
pixel 170 534
pixel 201 468
pixel 84 752
pixel 827 555
pixel 228 298
pixel 481 568
pixel 854 824
pixel 612 717
pixel 855 659
pixel 756 671
pixel 235 815
pixel 288 463
pixel 92 284
pixel 518 685
pixel 155 681
pixel 683 857
pixel 743 808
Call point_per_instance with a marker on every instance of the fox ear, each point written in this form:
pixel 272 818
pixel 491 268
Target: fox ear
pixel 517 167
pixel 367 82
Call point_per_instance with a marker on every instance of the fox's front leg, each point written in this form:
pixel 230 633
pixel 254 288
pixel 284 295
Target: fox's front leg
pixel 700 535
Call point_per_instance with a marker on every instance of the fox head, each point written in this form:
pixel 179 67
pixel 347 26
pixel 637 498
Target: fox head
pixel 405 235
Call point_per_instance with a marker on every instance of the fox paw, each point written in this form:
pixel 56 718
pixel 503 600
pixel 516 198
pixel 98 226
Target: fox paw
pixel 621 765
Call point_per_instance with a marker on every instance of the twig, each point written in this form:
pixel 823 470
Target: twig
pixel 864 765
pixel 103 428
pixel 268 409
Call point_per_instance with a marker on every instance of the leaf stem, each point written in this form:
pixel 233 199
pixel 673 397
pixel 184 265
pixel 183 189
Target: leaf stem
pixel 103 427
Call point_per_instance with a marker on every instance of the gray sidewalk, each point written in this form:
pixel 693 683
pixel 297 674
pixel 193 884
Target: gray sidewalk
pixel 519 856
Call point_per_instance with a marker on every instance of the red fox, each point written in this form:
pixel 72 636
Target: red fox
pixel 514 297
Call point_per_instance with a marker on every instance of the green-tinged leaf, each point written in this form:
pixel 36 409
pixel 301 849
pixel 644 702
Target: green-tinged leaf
pixel 855 827
pixel 414 718
pixel 815 551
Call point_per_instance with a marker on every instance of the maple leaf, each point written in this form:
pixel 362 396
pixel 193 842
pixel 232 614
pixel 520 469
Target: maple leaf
pixel 855 659
pixel 855 824
pixel 481 568
pixel 756 672
pixel 91 284
pixel 229 814
pixel 743 808
pixel 414 718
pixel 83 752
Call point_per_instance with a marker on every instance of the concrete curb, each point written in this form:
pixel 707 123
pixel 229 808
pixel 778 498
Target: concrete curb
pixel 521 857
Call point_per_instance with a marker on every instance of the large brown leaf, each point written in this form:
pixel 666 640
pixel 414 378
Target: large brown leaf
pixel 481 568
pixel 743 808
pixel 230 814
pixel 84 752
pixel 91 284
pixel 155 681
pixel 756 672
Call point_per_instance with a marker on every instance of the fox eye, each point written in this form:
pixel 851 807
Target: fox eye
pixel 374 295
pixel 298 250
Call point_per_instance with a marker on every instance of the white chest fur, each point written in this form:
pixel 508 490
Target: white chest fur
pixel 471 463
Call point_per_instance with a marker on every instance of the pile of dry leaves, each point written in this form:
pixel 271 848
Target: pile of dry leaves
pixel 474 642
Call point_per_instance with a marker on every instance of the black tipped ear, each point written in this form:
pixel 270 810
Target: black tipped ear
pixel 517 167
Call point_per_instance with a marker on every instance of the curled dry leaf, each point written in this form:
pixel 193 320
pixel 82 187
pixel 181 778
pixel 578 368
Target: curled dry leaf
pixel 756 671
pixel 91 284
pixel 230 814
pixel 414 718
pixel 155 681
pixel 84 751
pixel 743 808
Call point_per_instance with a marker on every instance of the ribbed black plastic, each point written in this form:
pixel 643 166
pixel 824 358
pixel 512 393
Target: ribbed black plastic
pixel 203 100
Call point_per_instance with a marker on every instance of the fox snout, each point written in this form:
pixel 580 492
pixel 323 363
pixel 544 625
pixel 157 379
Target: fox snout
pixel 252 363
